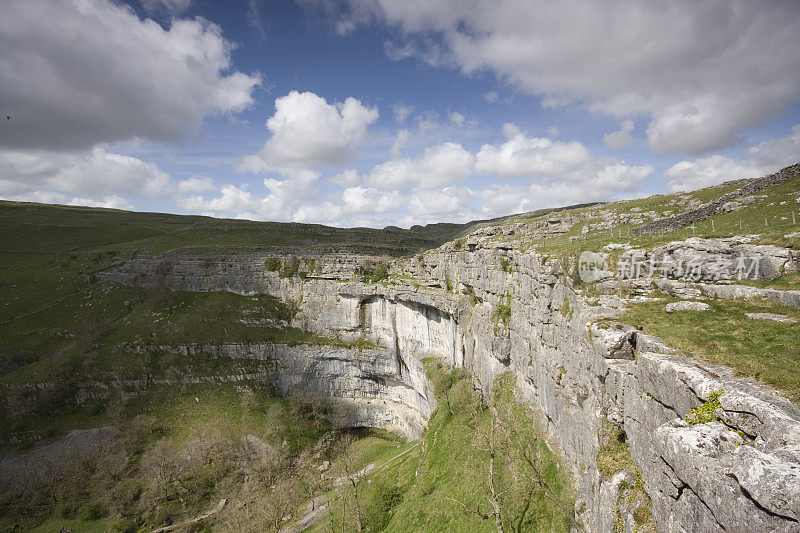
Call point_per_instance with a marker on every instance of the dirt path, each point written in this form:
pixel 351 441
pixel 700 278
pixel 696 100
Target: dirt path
pixel 319 507
pixel 194 520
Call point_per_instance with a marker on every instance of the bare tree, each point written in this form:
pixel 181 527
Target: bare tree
pixel 514 470
pixel 487 441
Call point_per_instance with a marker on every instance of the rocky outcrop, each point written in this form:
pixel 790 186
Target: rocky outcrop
pixel 377 387
pixel 681 289
pixel 739 473
pixel 711 260
pixel 44 465
pixel 723 204
pixel 493 309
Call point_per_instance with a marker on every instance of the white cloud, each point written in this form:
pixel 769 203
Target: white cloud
pixel 503 199
pixel 196 184
pixel 438 165
pixel 173 7
pixel 346 178
pixel 112 202
pixel 439 204
pixel 75 73
pixel 354 201
pixel 491 96
pixel 457 118
pixel 706 171
pixel 760 160
pixel 621 137
pixel 559 172
pixel 254 18
pixel 308 132
pixel 91 173
pixel 708 69
pixel 530 156
pixel 232 201
pixel 401 112
pixel 400 142
pixel 777 153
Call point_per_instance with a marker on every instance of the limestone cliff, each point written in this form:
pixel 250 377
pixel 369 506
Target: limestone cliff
pixel 490 308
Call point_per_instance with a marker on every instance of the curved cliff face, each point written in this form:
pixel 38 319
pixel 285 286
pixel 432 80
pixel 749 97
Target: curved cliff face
pixel 491 309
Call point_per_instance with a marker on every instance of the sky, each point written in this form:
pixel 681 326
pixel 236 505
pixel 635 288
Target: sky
pixel 390 112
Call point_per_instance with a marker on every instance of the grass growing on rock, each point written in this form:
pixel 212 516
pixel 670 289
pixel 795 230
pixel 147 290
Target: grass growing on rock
pixel 426 489
pixel 614 457
pixel 764 350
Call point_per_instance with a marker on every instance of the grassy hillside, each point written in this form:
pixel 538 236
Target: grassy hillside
pixel 444 483
pixel 185 446
pixel 43 228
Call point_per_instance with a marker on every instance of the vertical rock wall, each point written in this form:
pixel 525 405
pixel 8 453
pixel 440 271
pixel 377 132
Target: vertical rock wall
pixel 582 379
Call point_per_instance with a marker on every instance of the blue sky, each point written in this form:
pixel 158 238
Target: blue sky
pixel 378 112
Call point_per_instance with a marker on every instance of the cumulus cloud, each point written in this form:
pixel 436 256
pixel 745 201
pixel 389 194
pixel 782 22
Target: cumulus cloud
pixel 111 202
pixel 91 173
pixel 521 156
pixel 236 201
pixel 438 165
pixel 701 78
pixel 354 201
pixel 620 138
pixel 400 142
pixel 554 166
pixel 308 132
pixel 439 204
pixel 346 178
pixel 196 184
pixel 457 118
pixel 76 73
pixel 761 159
pixel 491 96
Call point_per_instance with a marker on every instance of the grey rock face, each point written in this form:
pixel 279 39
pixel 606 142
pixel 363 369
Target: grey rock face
pixel 682 289
pixel 712 260
pixel 770 316
pixel 44 464
pixel 686 306
pixel 580 377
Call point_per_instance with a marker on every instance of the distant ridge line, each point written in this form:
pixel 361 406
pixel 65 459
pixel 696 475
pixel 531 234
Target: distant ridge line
pixel 711 208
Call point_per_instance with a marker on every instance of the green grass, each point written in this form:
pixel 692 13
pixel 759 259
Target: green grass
pixel 614 457
pixel 166 422
pixel 764 350
pixel 416 492
pixel 748 220
pixel 46 228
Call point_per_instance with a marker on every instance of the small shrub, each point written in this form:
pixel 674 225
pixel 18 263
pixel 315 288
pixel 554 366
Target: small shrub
pixel 705 413
pixel 614 456
pixel 92 511
pixel 566 309
pixel 379 507
pixel 505 264
pixel 272 264
pixel 501 314
pixel 290 268
pixel 374 271
pixel 125 525
pixel 474 299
